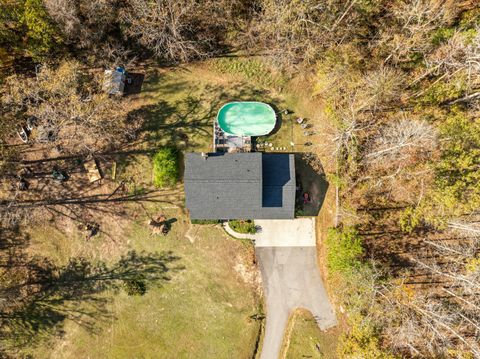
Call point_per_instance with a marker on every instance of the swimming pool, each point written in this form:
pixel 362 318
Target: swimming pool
pixel 246 118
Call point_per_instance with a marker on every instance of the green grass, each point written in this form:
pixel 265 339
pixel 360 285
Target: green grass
pixel 250 68
pixel 344 250
pixel 202 312
pixel 308 341
pixel 205 221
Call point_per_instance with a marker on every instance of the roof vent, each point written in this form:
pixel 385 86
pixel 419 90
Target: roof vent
pixel 204 155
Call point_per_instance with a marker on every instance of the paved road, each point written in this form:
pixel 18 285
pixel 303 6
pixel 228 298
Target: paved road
pixel 291 280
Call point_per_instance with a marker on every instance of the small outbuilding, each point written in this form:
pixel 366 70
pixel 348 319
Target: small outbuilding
pixel 114 81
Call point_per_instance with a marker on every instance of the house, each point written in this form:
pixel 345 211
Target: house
pixel 240 185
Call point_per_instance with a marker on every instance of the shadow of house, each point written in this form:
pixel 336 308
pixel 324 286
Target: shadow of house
pixel 311 181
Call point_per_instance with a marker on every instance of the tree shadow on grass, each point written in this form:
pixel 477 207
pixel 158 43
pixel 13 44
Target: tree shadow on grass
pixel 13 240
pixel 41 296
pixel 187 123
pixel 183 123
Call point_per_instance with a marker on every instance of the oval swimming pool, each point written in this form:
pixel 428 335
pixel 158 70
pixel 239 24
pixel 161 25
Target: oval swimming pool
pixel 246 118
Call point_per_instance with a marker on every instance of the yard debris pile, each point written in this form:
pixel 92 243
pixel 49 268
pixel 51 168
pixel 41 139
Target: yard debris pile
pixel 160 225
pixel 91 229
pixel 93 172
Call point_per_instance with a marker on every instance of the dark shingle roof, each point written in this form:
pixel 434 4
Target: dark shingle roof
pixel 241 185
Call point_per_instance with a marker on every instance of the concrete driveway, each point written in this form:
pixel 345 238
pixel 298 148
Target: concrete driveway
pixel 299 232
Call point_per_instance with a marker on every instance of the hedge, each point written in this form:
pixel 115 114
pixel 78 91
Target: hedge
pixel 205 221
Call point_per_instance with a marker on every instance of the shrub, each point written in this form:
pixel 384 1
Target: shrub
pixel 135 287
pixel 243 226
pixel 442 35
pixel 165 167
pixel 444 91
pixel 409 219
pixel 205 221
pixel 362 341
pixel 344 247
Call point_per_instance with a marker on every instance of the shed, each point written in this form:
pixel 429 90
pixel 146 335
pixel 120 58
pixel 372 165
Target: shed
pixel 114 81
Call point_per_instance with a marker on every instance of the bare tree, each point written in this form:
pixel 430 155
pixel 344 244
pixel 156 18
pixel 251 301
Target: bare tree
pixel 414 21
pixel 460 52
pixel 402 139
pixel 382 86
pixel 69 108
pixel 298 32
pixel 173 30
pixel 85 24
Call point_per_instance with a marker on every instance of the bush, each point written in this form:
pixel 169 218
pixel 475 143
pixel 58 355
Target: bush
pixel 246 226
pixel 444 91
pixel 135 287
pixel 165 167
pixel 409 219
pixel 205 221
pixel 362 341
pixel 344 247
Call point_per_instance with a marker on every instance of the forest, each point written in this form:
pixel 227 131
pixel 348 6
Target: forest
pixel 399 86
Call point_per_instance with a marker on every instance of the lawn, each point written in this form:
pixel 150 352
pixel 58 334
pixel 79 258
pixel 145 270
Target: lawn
pixel 204 309
pixel 306 340
pixel 179 105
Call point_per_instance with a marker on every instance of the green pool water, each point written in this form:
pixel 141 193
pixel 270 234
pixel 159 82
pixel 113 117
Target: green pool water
pixel 246 118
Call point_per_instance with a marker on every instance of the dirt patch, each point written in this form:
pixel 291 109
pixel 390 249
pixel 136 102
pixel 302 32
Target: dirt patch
pixel 249 272
pixel 191 233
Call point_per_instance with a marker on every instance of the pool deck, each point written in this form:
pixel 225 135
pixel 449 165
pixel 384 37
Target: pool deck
pixel 225 142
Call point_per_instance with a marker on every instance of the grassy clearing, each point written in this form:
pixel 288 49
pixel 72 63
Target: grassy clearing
pixel 306 340
pixel 178 107
pixel 181 106
pixel 252 69
pixel 295 95
pixel 203 311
